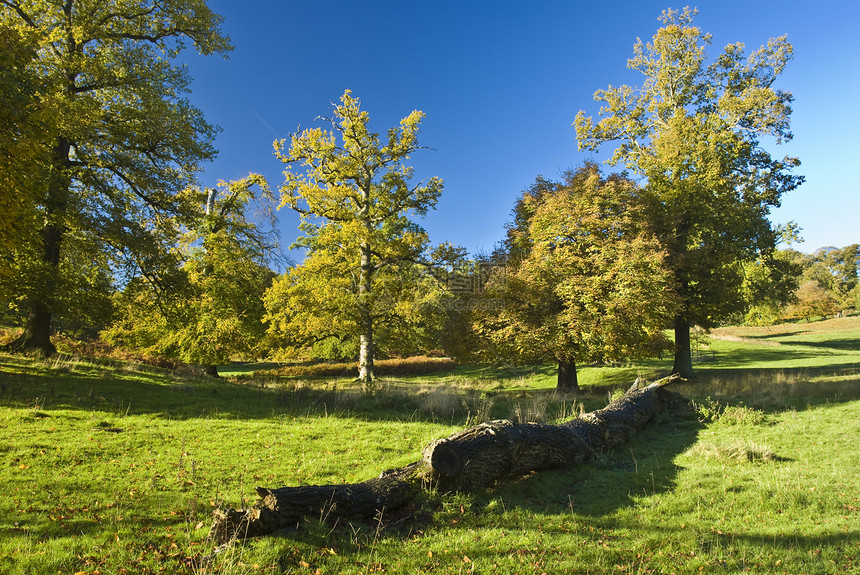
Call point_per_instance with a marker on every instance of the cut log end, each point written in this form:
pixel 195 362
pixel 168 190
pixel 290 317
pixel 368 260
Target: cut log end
pixel 445 459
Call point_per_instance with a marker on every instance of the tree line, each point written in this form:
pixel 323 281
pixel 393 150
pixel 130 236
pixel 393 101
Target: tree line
pixel 110 234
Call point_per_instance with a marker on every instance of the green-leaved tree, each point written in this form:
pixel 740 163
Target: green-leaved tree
pixel 696 131
pixel 211 311
pixel 120 139
pixel 22 150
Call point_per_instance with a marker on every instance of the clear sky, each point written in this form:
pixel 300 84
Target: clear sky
pixel 501 82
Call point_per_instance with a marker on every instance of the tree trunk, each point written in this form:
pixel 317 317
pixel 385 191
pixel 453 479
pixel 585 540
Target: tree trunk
pixel 683 358
pixel 567 378
pixel 287 506
pixel 365 339
pixel 211 370
pixel 37 333
pixel 37 329
pixel 470 459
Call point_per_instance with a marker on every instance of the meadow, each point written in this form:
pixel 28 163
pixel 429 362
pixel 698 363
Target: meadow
pixel 111 466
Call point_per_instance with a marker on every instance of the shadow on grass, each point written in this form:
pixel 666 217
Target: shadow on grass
pixel 131 389
pixel 128 389
pixel 749 357
pixel 642 467
pixel 846 344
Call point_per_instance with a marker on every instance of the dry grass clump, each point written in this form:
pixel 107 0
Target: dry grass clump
pixel 739 450
pixel 419 365
pixel 711 410
pixel 747 340
pixel 769 389
pixel 531 410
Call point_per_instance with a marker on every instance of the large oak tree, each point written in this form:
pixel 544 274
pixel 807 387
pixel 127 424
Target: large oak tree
pixel 120 138
pixel 696 133
pixel 583 280
pixel 22 153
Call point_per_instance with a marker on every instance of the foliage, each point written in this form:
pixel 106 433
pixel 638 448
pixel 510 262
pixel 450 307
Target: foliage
pixel 696 132
pixel 22 154
pixel 834 270
pixel 770 283
pixel 83 304
pixel 366 272
pixel 213 312
pixel 585 280
pixel 812 301
pixel 120 140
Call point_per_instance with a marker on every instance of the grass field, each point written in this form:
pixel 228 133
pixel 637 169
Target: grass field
pixel 112 467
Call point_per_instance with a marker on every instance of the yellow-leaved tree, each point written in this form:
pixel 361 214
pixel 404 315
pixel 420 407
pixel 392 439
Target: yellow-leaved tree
pixel 366 275
pixel 584 277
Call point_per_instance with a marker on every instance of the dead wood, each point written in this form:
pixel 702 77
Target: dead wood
pixel 471 459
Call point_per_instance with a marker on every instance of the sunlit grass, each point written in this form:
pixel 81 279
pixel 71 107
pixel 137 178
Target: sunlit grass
pixel 111 467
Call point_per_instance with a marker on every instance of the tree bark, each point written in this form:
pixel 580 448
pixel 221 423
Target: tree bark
pixel 567 377
pixel 365 339
pixel 211 370
pixel 470 459
pixel 37 329
pixel 683 365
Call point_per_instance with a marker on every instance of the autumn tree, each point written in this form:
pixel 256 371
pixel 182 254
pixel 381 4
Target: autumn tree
pixel 833 270
pixel 836 270
pixel 812 300
pixel 121 140
pixel 212 311
pixel 584 279
pixel 695 132
pixel 364 256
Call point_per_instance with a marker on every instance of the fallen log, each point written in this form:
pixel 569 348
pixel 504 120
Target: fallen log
pixel 471 459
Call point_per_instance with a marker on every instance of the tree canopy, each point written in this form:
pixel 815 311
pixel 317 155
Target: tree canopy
pixel 696 133
pixel 119 139
pixel 212 309
pixel 22 153
pixel 584 278
pixel 365 259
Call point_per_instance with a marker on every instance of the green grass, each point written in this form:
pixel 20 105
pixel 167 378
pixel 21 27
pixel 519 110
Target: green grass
pixel 112 467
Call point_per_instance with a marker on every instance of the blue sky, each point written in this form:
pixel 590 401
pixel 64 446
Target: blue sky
pixel 501 82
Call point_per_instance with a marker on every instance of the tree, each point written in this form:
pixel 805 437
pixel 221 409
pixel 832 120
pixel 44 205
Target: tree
pixel 835 269
pixel 769 286
pixel 214 311
pixel 812 300
pixel 355 198
pixel 22 154
pixel 695 133
pixel 120 139
pixel 584 281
